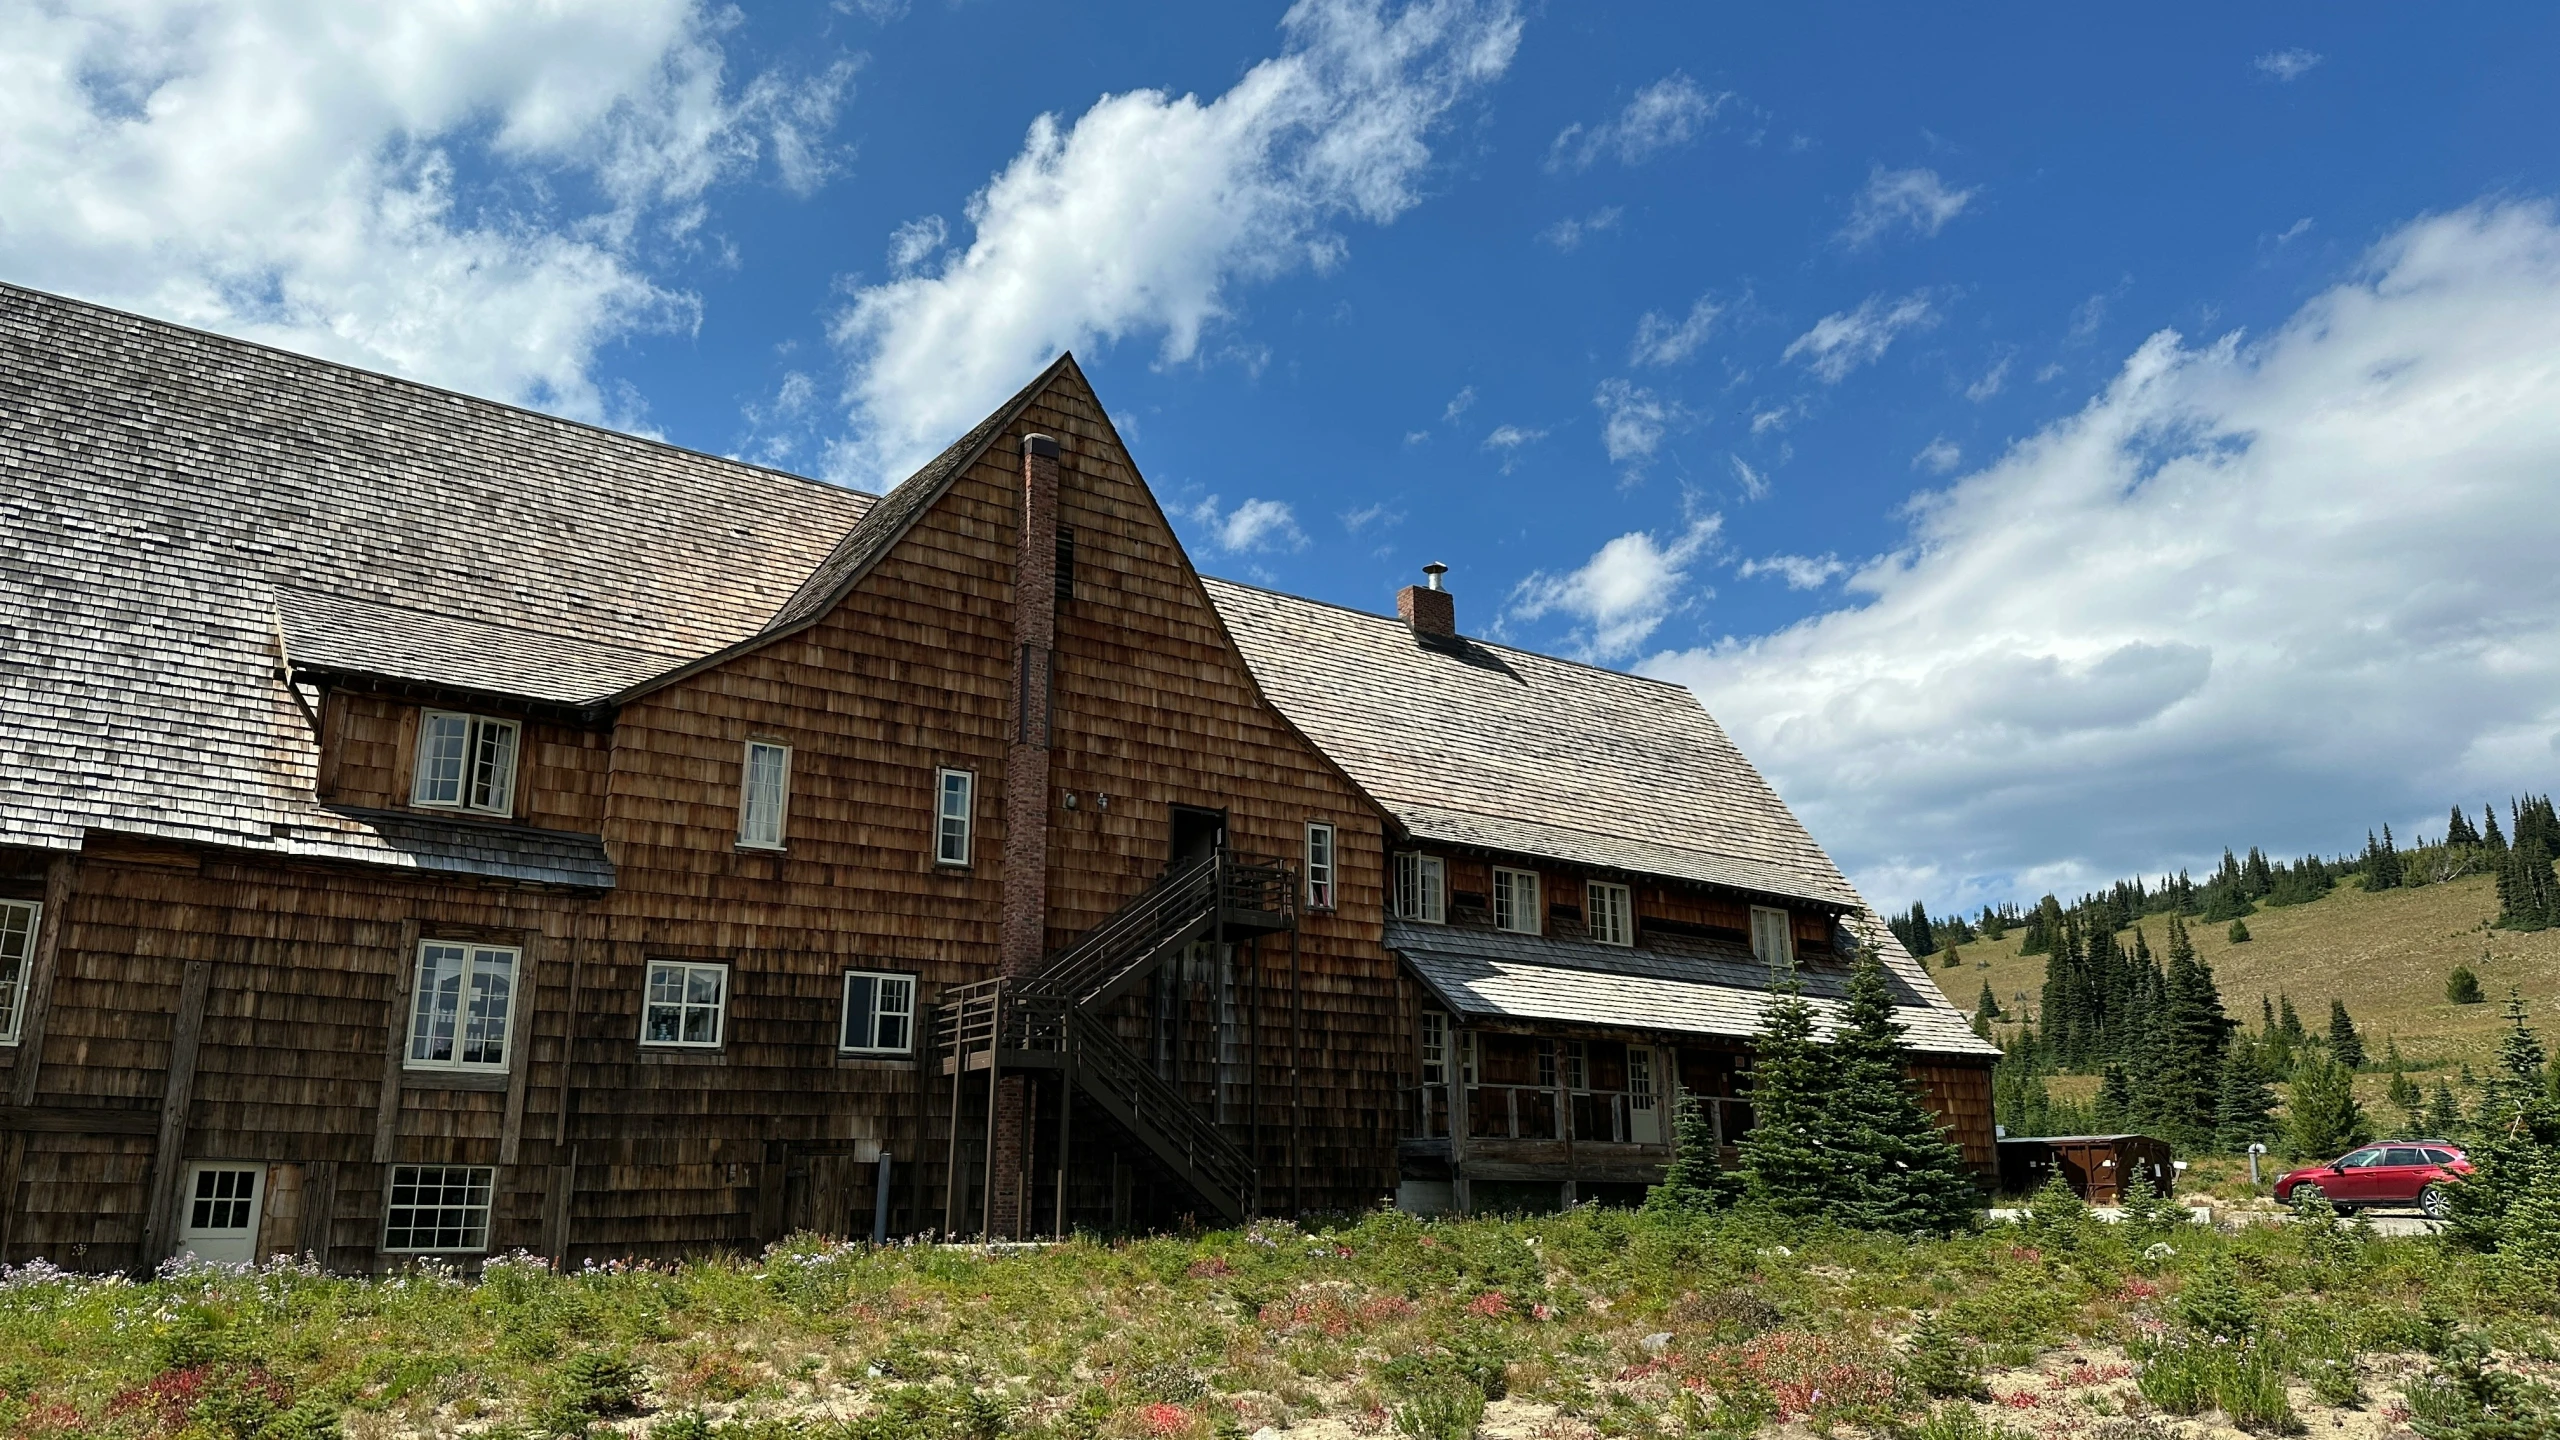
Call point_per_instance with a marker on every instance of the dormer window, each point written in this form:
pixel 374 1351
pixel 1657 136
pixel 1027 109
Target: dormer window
pixel 1422 889
pixel 465 762
pixel 1773 936
pixel 1515 901
pixel 1613 913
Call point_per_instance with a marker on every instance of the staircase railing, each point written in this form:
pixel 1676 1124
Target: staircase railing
pixel 1157 1112
pixel 1185 896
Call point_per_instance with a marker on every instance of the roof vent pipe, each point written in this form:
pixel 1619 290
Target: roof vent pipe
pixel 1429 609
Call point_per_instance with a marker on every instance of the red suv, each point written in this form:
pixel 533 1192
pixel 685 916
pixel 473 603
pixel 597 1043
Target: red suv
pixel 2395 1172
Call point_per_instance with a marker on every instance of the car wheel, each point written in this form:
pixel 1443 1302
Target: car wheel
pixel 2436 1202
pixel 2306 1191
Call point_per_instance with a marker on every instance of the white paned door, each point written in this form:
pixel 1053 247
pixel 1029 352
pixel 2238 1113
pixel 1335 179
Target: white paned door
pixel 218 1215
pixel 1644 1109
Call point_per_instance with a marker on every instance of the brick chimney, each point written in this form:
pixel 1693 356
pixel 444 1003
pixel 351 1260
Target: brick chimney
pixel 1429 609
pixel 1022 925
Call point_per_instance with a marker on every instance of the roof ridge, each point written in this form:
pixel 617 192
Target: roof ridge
pixel 1471 639
pixel 298 357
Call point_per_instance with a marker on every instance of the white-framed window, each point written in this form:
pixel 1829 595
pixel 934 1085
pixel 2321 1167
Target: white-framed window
pixel 1613 913
pixel 879 1013
pixel 1773 935
pixel 764 795
pixel 435 1208
pixel 1422 888
pixel 220 1219
pixel 1319 865
pixel 955 814
pixel 465 762
pixel 1577 1065
pixel 1435 1047
pixel 465 997
pixel 687 1004
pixel 1515 901
pixel 17 955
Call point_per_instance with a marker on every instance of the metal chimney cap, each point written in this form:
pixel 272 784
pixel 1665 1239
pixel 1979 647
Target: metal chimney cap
pixel 1434 571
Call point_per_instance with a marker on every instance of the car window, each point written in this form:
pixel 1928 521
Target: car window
pixel 2360 1159
pixel 2441 1157
pixel 2405 1155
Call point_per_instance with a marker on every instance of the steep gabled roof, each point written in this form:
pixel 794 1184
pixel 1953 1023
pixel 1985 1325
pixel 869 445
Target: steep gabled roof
pixel 171 502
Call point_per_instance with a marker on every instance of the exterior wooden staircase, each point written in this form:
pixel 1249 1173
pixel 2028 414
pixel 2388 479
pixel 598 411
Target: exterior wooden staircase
pixel 1053 1020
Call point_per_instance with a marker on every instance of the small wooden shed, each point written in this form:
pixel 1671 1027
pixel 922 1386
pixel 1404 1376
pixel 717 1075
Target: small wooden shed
pixel 2097 1167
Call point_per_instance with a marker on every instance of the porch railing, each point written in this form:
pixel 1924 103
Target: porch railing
pixel 1532 1112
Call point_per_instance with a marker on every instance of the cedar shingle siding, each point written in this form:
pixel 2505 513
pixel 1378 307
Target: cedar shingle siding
pixel 232 579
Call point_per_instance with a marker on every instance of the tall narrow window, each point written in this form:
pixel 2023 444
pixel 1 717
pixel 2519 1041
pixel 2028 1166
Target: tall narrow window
pixel 954 817
pixel 1773 936
pixel 1467 1057
pixel 764 795
pixel 1577 1065
pixel 1422 889
pixel 1319 865
pixel 17 949
pixel 465 762
pixel 465 995
pixel 687 1005
pixel 1644 1118
pixel 1435 1047
pixel 879 1013
pixel 1515 901
pixel 1613 913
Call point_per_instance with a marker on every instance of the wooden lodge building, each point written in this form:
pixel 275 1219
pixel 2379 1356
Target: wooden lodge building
pixel 433 828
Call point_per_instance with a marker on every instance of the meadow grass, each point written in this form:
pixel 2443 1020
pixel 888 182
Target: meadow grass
pixel 1599 1322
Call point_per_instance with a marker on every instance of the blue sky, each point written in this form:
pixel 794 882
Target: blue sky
pixel 2056 445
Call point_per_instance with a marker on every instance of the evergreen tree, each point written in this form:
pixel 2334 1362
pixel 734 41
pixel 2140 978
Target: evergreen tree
pixel 2518 1130
pixel 2266 1015
pixel 2324 1119
pixel 2178 1091
pixel 2462 987
pixel 2490 834
pixel 2244 1105
pixel 2381 862
pixel 1786 1156
pixel 2115 1098
pixel 1899 1171
pixel 2457 829
pixel 2404 1093
pixel 2288 1024
pixel 1941 1363
pixel 2444 1117
pixel 1987 1009
pixel 1693 1183
pixel 1915 931
pixel 2345 1045
pixel 2528 895
pixel 2239 932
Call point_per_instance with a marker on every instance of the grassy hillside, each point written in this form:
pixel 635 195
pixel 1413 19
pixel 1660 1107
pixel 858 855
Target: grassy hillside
pixel 2385 954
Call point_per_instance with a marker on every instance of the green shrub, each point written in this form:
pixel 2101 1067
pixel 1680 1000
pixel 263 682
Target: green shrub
pixel 2466 1399
pixel 2178 1377
pixel 1443 1411
pixel 2249 1387
pixel 1959 1422
pixel 2212 1306
pixel 1941 1364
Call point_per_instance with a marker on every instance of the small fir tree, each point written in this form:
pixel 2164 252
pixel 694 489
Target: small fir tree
pixel 2115 1098
pixel 1786 1156
pixel 1941 1363
pixel 2518 1129
pixel 2239 932
pixel 2345 1045
pixel 2323 1117
pixel 2444 1116
pixel 2244 1107
pixel 2462 987
pixel 1695 1182
pixel 1901 1172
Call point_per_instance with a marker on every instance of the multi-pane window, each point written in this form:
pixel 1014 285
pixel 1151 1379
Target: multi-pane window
pixel 687 1004
pixel 764 795
pixel 1319 865
pixel 1773 936
pixel 1435 1047
pixel 879 1013
pixel 17 952
pixel 465 996
pixel 1577 1065
pixel 1422 888
pixel 954 813
pixel 1613 913
pixel 1515 901
pixel 438 1207
pixel 225 1198
pixel 465 762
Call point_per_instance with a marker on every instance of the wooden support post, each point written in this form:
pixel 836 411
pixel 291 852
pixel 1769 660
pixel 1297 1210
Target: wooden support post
pixel 177 1095
pixel 520 1047
pixel 1253 1071
pixel 951 1167
pixel 1297 1010
pixel 395 1053
pixel 1564 1115
pixel 319 1211
pixel 995 1077
pixel 1066 1118
pixel 1460 1194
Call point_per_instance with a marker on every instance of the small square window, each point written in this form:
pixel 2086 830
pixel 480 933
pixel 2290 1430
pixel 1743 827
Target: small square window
pixel 465 762
pixel 1613 913
pixel 464 999
pixel 1515 901
pixel 438 1208
pixel 764 795
pixel 955 815
pixel 879 1013
pixel 1422 889
pixel 1319 865
pixel 17 950
pixel 686 1006
pixel 1773 936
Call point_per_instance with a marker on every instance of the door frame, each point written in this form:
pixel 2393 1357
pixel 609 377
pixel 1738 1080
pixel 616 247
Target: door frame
pixel 258 1183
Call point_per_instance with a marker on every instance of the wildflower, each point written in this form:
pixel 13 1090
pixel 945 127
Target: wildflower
pixel 1490 1304
pixel 1164 1418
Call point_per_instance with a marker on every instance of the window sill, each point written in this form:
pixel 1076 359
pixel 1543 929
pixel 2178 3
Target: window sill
pixel 683 1055
pixel 946 867
pixel 747 848
pixel 856 1061
pixel 419 1078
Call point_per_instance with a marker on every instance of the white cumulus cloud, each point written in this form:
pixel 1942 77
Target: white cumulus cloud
pixel 2287 66
pixel 1939 456
pixel 2268 591
pixel 1662 340
pixel 1632 422
pixel 1665 115
pixel 1252 525
pixel 1801 572
pixel 1622 594
pixel 1142 215
pixel 397 187
pixel 1842 342
pixel 1916 198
